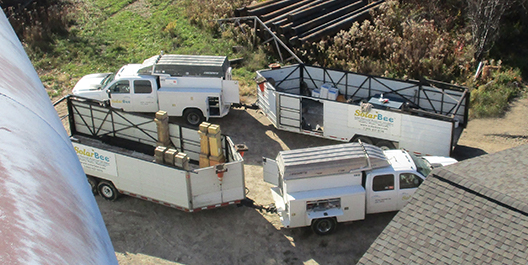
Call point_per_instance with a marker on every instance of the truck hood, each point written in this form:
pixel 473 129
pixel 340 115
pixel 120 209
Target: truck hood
pixel 89 83
pixel 439 161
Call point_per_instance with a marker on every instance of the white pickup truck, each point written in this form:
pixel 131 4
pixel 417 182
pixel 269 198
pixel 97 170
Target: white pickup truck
pixel 322 186
pixel 195 87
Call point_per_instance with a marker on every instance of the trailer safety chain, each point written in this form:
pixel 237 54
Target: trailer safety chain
pixel 251 204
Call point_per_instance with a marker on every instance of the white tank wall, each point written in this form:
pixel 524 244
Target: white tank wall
pixel 48 213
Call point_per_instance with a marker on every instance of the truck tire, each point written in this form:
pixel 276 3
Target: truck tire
pixel 193 116
pixel 93 184
pixel 364 139
pixel 385 145
pixel 107 190
pixel 324 226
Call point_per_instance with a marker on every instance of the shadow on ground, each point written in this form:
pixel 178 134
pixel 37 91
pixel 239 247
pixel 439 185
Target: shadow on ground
pixel 463 152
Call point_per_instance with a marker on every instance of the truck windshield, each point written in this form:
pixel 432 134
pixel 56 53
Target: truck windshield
pixel 109 78
pixel 422 166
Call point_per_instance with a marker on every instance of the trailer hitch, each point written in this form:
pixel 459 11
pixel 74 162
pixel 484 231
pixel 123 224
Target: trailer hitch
pixel 253 106
pixel 251 204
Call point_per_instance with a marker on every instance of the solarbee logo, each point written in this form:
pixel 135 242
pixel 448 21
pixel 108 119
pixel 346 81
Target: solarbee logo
pixel 121 101
pixel 373 116
pixel 91 154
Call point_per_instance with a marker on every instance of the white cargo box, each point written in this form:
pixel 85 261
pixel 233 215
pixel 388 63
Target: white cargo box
pixel 328 160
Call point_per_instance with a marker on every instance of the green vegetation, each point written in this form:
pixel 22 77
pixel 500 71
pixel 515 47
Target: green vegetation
pixel 494 90
pixel 405 39
pixel 103 35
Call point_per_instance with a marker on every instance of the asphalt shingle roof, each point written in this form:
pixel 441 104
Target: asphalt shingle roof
pixel 472 212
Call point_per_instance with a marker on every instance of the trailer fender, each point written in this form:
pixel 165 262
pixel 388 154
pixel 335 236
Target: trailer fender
pixel 385 145
pixel 93 183
pixel 363 139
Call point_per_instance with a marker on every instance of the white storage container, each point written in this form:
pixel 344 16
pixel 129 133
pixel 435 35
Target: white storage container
pixel 332 93
pixel 324 91
pixel 316 93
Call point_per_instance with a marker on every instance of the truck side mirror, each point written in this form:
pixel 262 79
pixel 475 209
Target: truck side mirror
pixel 109 93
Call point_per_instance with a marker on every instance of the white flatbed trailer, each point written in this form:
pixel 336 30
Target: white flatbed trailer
pixel 425 117
pixel 116 150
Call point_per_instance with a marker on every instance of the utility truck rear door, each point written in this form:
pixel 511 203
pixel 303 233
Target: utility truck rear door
pixel 144 96
pixel 382 194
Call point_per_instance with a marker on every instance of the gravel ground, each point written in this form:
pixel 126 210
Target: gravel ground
pixel 146 233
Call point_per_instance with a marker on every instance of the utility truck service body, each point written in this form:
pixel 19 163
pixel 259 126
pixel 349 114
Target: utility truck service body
pixel 116 150
pixel 195 87
pixel 425 117
pixel 321 186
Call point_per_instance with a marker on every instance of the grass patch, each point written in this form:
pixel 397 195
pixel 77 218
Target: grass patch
pixel 491 99
pixel 104 35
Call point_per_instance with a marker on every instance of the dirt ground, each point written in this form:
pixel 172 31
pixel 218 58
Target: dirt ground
pixel 483 136
pixel 146 233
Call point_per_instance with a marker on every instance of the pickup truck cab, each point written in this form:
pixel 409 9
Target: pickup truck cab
pixel 133 89
pixel 390 188
pixel 322 186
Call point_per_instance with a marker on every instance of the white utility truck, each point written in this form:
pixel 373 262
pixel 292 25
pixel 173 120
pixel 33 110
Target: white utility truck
pixel 321 186
pixel 193 86
pixel 117 152
pixel 425 117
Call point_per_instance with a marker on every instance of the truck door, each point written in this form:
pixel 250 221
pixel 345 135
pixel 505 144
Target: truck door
pixel 144 96
pixel 289 113
pixel 119 93
pixel 271 171
pixel 230 92
pixel 408 183
pixel 382 195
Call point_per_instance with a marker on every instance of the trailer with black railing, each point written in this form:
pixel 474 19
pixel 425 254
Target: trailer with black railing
pixel 425 117
pixel 126 153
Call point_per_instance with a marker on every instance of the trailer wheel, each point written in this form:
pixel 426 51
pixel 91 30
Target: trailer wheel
pixel 363 139
pixel 385 145
pixel 107 191
pixel 93 184
pixel 324 226
pixel 193 116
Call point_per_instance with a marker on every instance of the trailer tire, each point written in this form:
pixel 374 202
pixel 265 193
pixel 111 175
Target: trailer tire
pixel 107 190
pixel 324 226
pixel 93 184
pixel 193 116
pixel 364 139
pixel 385 145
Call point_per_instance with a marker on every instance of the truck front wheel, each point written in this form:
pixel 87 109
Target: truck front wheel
pixel 193 116
pixel 324 226
pixel 107 190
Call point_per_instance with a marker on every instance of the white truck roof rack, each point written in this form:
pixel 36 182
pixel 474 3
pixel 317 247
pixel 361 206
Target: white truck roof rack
pixel 328 160
pixel 186 65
